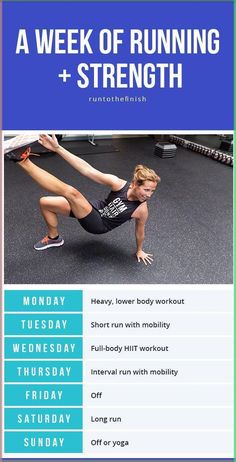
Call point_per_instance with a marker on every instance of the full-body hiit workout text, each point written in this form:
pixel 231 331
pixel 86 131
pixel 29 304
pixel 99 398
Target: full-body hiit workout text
pixel 124 202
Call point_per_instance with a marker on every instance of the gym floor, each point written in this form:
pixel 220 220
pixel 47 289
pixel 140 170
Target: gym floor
pixel 189 231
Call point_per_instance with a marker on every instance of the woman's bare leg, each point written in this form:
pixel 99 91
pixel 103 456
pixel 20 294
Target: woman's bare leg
pixel 78 203
pixel 50 208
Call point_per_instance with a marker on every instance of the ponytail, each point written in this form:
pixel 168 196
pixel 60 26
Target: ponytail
pixel 143 173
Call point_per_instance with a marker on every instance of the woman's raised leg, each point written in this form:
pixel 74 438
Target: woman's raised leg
pixel 78 203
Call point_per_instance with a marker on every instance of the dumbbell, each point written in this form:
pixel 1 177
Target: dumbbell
pixel 215 155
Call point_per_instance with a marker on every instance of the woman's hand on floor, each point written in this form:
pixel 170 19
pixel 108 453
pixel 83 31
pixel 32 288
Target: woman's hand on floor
pixel 144 257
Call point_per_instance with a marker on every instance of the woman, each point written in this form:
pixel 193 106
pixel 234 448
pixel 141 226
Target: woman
pixel 124 202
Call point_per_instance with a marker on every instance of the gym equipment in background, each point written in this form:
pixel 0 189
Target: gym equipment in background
pixel 209 152
pixel 165 150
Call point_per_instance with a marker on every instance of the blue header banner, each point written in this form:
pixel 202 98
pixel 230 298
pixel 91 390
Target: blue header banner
pixel 107 66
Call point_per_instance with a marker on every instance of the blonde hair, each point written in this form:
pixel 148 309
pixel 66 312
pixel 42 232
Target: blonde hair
pixel 143 173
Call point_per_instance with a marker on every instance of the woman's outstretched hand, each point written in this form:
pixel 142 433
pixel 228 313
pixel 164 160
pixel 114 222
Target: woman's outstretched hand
pixel 49 142
pixel 144 257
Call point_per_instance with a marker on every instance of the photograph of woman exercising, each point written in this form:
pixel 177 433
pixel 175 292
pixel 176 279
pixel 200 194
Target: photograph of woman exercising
pixel 125 201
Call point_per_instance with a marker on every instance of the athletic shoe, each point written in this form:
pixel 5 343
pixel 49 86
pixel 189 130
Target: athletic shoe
pixel 19 154
pixel 46 243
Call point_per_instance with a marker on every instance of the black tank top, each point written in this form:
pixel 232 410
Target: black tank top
pixel 116 209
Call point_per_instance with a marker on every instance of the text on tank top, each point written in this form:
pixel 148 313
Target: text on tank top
pixel 116 209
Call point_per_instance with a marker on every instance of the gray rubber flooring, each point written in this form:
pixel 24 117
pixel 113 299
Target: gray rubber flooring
pixel 189 230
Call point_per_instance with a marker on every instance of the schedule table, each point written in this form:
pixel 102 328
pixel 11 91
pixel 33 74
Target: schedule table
pixel 105 372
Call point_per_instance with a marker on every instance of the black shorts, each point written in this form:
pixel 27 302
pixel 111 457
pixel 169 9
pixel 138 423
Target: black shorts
pixel 93 223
